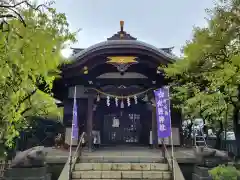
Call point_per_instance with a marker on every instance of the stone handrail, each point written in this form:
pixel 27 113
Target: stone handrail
pixel 173 165
pixel 3 165
pixel 65 172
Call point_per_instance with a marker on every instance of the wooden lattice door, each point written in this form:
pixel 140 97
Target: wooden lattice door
pixel 121 128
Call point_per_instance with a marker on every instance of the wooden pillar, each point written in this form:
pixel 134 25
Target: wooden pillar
pixel 154 128
pixel 90 121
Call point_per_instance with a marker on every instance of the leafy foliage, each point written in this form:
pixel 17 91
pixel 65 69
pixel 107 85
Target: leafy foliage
pixel 29 59
pixel 206 79
pixel 224 173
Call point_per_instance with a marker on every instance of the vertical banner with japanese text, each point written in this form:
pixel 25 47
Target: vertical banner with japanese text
pixel 75 118
pixel 163 112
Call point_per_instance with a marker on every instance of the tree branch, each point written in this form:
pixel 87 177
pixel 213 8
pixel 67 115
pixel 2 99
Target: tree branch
pixel 25 110
pixel 13 7
pixel 25 98
pixel 22 2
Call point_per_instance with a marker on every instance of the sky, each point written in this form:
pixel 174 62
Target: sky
pixel 162 23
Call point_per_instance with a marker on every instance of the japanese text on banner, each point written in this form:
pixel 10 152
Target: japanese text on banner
pixel 163 112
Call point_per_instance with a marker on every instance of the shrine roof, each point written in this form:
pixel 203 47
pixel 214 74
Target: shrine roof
pixel 123 40
pixel 167 51
pixel 163 52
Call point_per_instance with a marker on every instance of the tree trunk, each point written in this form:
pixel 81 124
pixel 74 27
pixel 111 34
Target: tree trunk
pixel 218 136
pixel 236 125
pixel 189 136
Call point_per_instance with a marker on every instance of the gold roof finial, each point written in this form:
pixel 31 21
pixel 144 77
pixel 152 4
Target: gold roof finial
pixel 121 29
pixel 121 26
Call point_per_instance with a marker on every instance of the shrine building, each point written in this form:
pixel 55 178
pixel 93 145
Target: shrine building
pixel 114 83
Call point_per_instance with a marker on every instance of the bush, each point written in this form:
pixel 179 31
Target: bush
pixel 223 172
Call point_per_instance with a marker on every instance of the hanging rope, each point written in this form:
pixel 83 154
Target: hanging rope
pixel 121 97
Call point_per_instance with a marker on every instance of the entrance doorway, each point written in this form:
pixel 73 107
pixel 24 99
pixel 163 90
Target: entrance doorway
pixel 122 128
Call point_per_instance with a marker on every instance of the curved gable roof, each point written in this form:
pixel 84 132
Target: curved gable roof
pixel 122 40
pixel 123 44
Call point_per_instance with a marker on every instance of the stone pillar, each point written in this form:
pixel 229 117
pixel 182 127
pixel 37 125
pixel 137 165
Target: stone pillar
pixel 154 128
pixel 90 121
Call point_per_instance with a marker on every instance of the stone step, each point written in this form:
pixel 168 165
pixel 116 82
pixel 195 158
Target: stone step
pixel 118 179
pixel 121 167
pixel 122 159
pixel 197 177
pixel 163 175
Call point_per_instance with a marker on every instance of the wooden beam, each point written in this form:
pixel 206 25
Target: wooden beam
pixel 106 68
pixel 154 128
pixel 104 82
pixel 90 121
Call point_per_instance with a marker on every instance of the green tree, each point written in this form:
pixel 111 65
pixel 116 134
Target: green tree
pixel 206 79
pixel 30 45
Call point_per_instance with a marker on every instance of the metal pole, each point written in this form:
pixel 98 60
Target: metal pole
pixel 71 141
pixel 163 150
pixel 171 137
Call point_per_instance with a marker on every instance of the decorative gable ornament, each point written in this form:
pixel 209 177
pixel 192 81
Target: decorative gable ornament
pixel 122 63
pixel 121 35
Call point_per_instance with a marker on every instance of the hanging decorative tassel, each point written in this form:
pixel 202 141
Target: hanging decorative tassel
pixel 128 101
pixel 135 99
pixel 122 104
pixel 98 98
pixel 116 101
pixel 108 101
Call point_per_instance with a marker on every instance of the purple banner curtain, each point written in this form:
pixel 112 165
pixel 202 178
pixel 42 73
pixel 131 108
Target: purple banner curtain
pixel 75 120
pixel 163 112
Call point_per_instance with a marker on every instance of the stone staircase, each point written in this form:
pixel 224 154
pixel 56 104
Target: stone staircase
pixel 121 170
